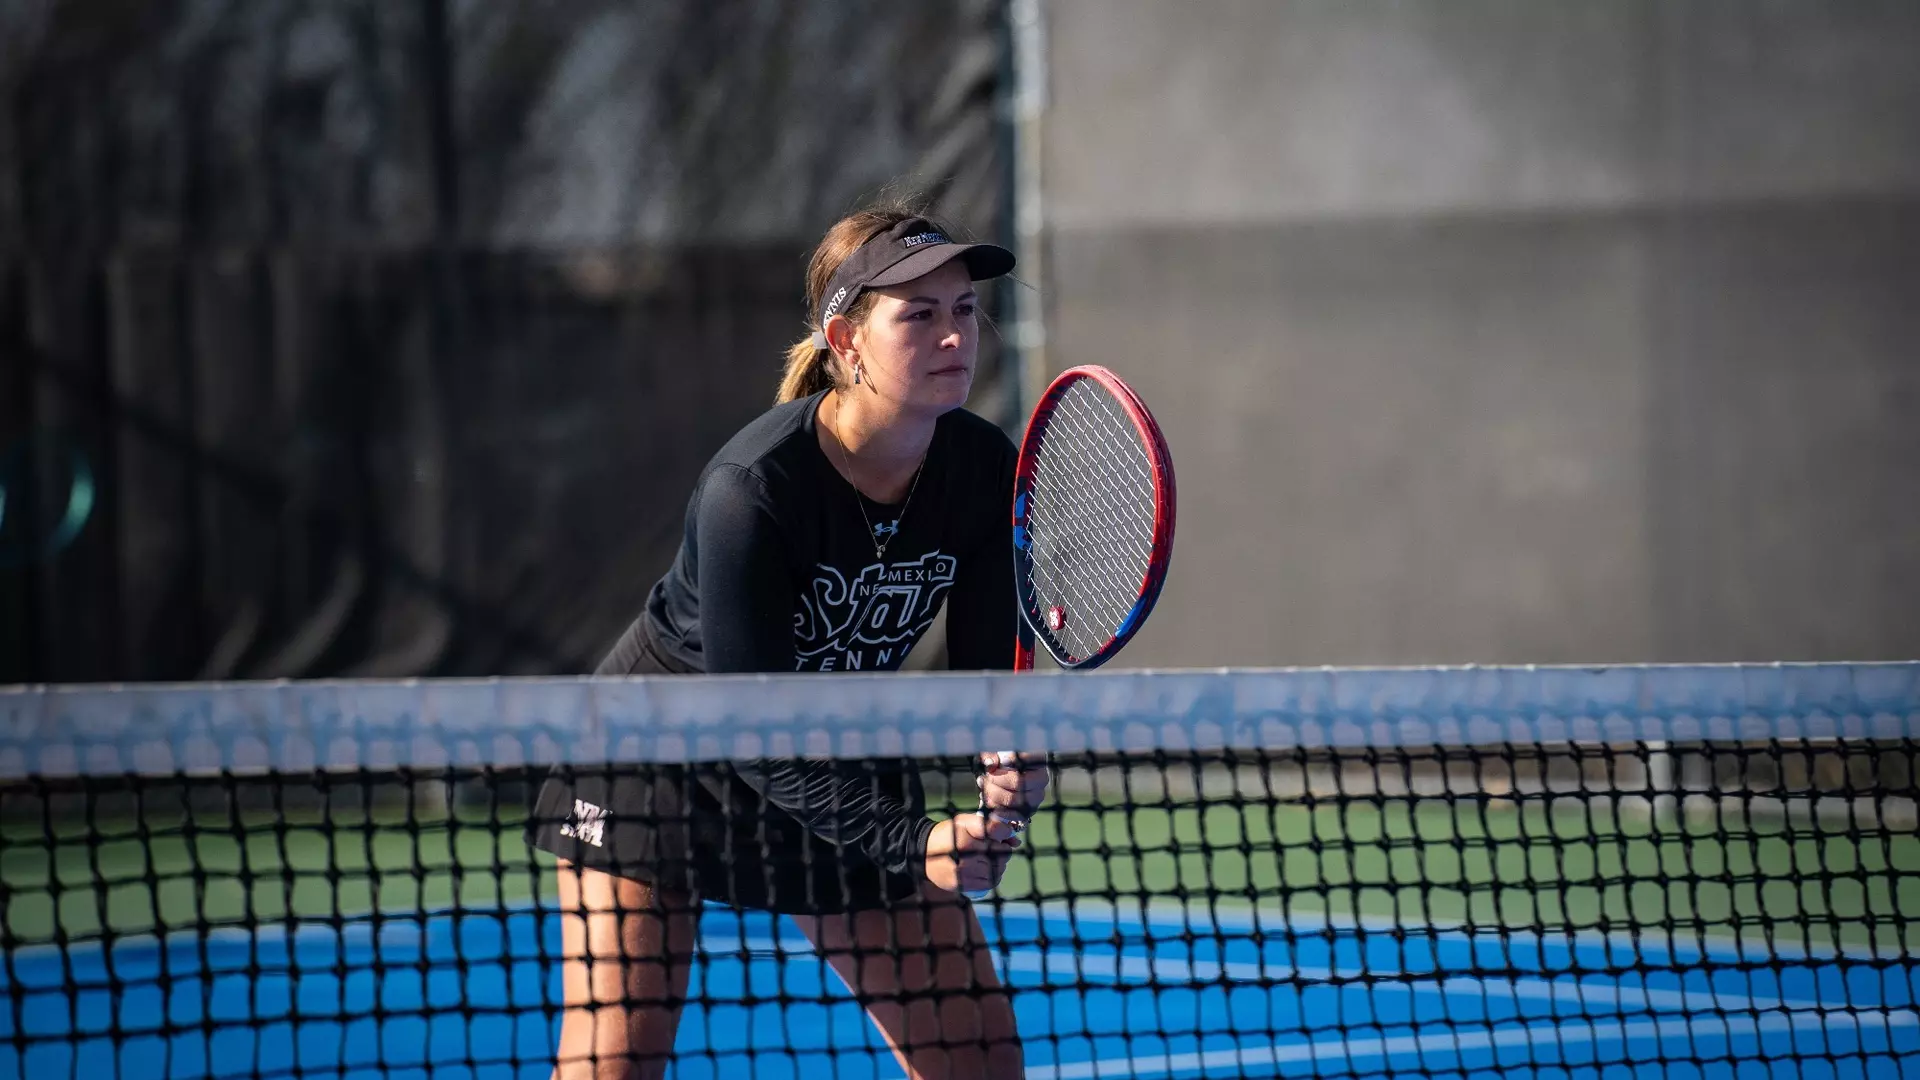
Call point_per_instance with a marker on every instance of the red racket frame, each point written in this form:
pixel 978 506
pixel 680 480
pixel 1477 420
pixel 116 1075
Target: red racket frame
pixel 1161 464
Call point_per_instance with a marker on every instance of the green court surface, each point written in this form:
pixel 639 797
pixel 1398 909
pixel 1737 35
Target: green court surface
pixel 1410 861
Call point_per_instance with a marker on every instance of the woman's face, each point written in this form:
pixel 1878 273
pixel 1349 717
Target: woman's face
pixel 918 344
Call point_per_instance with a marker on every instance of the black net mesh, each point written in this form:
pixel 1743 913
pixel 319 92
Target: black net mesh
pixel 1226 879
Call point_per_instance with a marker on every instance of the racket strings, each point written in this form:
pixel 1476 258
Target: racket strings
pixel 1091 518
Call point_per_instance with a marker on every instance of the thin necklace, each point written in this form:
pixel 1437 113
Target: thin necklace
pixel 879 549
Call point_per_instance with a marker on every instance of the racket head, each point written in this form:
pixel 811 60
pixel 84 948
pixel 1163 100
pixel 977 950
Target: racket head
pixel 1093 515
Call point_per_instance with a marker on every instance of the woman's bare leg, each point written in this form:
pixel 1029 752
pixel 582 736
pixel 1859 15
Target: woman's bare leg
pixel 926 978
pixel 626 950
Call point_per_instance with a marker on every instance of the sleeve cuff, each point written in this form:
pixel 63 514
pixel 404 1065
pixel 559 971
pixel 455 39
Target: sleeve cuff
pixel 917 847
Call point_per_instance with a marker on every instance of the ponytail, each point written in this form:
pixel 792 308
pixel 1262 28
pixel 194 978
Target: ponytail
pixel 809 371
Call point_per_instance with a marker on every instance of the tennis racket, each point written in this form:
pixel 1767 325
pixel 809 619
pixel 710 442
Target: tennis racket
pixel 1093 509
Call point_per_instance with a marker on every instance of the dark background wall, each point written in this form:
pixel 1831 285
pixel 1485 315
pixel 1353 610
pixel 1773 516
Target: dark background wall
pixel 386 337
pixel 380 337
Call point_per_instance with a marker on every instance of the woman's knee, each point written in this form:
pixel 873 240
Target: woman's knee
pixel 620 935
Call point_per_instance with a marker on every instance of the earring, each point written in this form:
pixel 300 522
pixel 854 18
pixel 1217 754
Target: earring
pixel 856 374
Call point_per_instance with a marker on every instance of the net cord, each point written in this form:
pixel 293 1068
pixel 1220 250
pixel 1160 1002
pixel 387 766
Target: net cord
pixel 306 726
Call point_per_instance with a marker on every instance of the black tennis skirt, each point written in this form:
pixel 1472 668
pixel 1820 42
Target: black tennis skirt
pixel 701 830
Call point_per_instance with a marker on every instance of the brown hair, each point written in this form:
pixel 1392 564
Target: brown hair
pixel 810 370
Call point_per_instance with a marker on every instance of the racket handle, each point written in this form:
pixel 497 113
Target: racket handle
pixel 1005 759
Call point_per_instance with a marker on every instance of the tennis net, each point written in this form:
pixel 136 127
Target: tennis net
pixel 1642 871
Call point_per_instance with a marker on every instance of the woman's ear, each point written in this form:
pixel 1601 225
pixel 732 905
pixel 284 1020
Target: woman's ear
pixel 844 339
pixel 839 331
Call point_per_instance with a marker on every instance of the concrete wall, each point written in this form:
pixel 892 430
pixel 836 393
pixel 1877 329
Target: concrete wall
pixel 1506 332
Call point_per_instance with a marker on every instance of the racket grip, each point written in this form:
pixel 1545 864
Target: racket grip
pixel 1019 824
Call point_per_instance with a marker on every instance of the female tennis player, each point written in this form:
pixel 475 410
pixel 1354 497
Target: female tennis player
pixel 824 537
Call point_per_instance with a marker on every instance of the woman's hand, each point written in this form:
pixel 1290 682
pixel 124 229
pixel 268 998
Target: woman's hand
pixel 968 852
pixel 1013 786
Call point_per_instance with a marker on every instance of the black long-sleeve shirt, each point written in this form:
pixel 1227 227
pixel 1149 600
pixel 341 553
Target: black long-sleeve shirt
pixel 777 572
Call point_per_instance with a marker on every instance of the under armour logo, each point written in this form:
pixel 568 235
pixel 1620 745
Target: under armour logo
pixel 886 529
pixel 587 823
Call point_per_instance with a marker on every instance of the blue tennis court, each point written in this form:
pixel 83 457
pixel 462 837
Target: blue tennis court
pixel 1101 995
